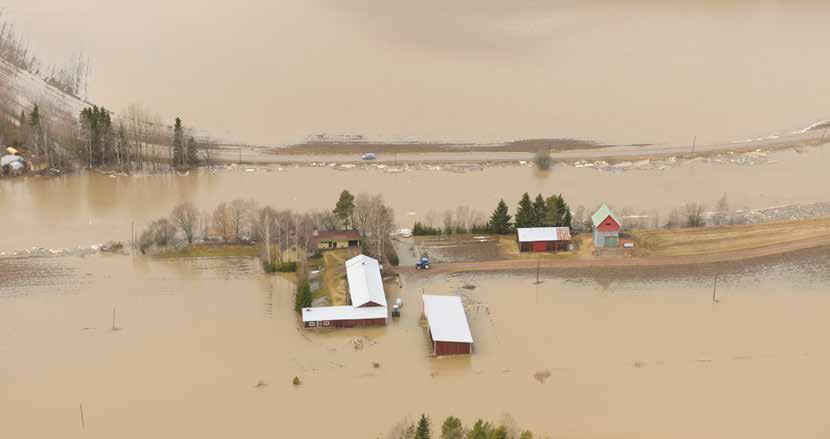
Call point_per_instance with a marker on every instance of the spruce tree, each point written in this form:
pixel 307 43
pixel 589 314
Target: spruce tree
pixel 422 431
pixel 552 213
pixel 538 211
pixel 178 143
pixel 500 220
pixel 21 137
pixel 192 152
pixel 524 214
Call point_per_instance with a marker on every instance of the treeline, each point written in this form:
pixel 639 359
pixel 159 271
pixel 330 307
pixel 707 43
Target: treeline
pixel 552 211
pixel 453 428
pixel 243 221
pixel 71 78
pixel 135 141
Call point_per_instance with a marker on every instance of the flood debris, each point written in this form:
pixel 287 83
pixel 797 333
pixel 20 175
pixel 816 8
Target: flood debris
pixel 260 384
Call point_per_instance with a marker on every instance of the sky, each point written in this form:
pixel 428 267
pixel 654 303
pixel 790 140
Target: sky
pixel 274 72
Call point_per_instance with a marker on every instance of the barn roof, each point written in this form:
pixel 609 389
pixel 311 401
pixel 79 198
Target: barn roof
pixel 604 212
pixel 365 282
pixel 531 234
pixel 446 318
pixel 334 313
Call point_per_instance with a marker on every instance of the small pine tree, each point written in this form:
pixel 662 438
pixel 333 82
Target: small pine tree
pixel 524 214
pixel 500 220
pixel 452 428
pixel 178 143
pixel 422 431
pixel 192 152
pixel 303 298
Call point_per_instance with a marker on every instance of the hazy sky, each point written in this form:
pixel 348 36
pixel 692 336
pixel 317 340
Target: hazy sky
pixel 618 71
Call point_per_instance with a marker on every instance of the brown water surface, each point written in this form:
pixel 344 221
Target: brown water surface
pixel 92 208
pixel 194 337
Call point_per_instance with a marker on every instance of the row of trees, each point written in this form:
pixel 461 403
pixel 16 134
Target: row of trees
pixel 70 78
pixel 550 212
pixel 453 428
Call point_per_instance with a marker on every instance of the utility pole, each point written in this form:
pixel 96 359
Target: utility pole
pixel 240 156
pixel 694 143
pixel 715 290
pixel 268 238
pixel 538 268
pixel 821 142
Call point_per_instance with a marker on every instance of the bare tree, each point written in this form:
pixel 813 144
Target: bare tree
pixel 242 217
pixel 723 212
pixel 221 220
pixel 694 215
pixel 185 216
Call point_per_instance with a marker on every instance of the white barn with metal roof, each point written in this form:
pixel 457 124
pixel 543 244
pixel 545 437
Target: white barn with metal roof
pixel 448 325
pixel 365 282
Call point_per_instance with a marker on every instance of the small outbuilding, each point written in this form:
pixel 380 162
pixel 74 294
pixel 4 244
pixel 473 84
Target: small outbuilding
pixel 606 227
pixel 331 240
pixel 448 327
pixel 544 239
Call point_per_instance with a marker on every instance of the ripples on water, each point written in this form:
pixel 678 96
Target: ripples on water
pixel 37 275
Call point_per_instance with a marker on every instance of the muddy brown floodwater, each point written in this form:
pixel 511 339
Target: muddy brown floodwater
pixel 87 208
pixel 207 348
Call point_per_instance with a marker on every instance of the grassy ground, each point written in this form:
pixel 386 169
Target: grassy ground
pixel 688 242
pixel 333 276
pixel 211 250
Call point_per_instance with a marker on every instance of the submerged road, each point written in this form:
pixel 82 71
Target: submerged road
pixel 277 155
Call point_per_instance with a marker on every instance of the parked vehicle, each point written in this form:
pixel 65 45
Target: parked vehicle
pixel 422 264
pixel 369 156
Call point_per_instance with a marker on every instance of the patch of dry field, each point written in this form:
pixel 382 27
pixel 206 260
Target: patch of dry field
pixel 333 276
pixel 713 240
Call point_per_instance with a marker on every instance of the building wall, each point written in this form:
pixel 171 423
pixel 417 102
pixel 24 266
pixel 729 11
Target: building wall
pixel 347 323
pixel 452 348
pixel 600 238
pixel 549 246
pixel 608 225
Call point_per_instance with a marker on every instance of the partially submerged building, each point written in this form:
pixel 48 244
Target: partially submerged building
pixel 544 239
pixel 448 327
pixel 606 227
pixel 366 296
pixel 336 239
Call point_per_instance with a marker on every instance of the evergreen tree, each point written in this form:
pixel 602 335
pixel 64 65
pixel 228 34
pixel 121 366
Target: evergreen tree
pixel 302 298
pixel 452 428
pixel 422 431
pixel 21 137
pixel 552 213
pixel 524 214
pixel 178 143
pixel 192 152
pixel 34 124
pixel 344 210
pixel 500 220
pixel 538 211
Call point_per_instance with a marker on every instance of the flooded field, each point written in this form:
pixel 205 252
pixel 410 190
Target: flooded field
pixel 208 348
pixel 92 208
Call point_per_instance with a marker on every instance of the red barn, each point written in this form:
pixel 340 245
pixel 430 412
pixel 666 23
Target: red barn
pixel 448 326
pixel 544 239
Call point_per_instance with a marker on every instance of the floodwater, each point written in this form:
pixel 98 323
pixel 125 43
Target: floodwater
pixel 644 71
pixel 88 208
pixel 207 348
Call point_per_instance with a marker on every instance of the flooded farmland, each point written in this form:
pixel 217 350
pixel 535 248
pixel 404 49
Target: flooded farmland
pixel 208 348
pixel 93 208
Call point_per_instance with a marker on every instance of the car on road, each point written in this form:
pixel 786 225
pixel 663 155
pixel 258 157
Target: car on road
pixel 369 156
